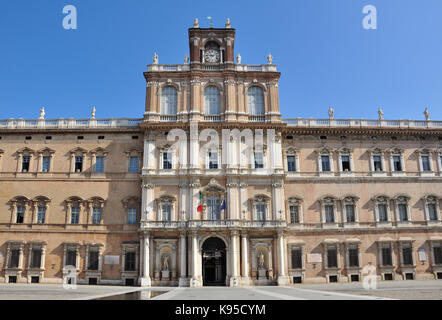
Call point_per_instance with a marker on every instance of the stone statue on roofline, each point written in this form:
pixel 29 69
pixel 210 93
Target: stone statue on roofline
pixel 269 58
pixel 195 23
pixel 331 113
pixel 380 114
pixel 427 114
pixel 42 113
pixel 186 59
pixel 93 113
pixel 238 59
pixel 155 58
pixel 228 25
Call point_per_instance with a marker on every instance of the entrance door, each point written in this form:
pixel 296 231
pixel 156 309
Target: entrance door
pixel 214 262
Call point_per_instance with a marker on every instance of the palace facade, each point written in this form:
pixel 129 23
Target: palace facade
pixel 120 203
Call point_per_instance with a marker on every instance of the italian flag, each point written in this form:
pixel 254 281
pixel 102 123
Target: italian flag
pixel 200 206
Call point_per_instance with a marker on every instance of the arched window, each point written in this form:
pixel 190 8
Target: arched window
pixel 255 100
pixel 211 100
pixel 168 100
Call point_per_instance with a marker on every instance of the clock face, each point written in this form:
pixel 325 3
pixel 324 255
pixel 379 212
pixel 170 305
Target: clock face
pixel 211 55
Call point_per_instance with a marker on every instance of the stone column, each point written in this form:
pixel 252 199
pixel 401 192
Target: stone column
pixel 141 269
pixel 195 281
pixel 245 259
pixel 235 278
pixel 145 280
pixel 183 262
pixel 283 279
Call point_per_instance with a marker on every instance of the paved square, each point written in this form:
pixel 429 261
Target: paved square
pixel 403 290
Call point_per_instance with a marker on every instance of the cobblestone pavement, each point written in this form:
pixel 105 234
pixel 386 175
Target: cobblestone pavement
pixel 406 290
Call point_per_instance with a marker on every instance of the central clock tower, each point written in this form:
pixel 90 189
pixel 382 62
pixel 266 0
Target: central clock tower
pixel 211 46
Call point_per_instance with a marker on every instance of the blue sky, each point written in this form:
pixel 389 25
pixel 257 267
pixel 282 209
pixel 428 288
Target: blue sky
pixel 325 56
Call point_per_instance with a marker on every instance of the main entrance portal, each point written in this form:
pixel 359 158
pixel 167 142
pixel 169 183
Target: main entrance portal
pixel 214 262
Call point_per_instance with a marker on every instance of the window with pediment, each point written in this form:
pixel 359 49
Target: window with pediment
pixel 166 208
pixel 432 208
pixel 260 205
pixel 350 211
pixel 382 208
pixel 328 209
pixel 402 208
pixel 295 210
pixel 213 196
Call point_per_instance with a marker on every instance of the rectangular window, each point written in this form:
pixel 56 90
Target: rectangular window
pixel 382 208
pixel 261 211
pixel 129 261
pixel 325 163
pixel 353 257
pixel 213 208
pixel 350 212
pixel 426 163
pixel 345 160
pixel 167 212
pixel 35 258
pixel 437 254
pixel 407 254
pixel 386 256
pixel 259 160
pixel 403 216
pixel 213 160
pixel 99 164
pixel 93 259
pixel 432 213
pixel 71 257
pixel 132 215
pixel 167 160
pixel 377 163
pixel 133 164
pixel 332 257
pixel 96 215
pixel 14 258
pixel 25 163
pixel 78 163
pixel 397 163
pixel 20 214
pixel 291 163
pixel 46 163
pixel 329 214
pixel 297 258
pixel 41 214
pixel 75 215
pixel 294 214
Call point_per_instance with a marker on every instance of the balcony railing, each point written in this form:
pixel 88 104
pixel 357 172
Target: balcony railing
pixel 212 118
pixel 210 224
pixel 168 118
pixel 168 67
pixel 362 123
pixel 214 67
pixel 68 123
pixel 256 118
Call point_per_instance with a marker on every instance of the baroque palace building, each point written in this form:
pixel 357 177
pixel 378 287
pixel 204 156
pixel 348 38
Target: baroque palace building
pixel 149 202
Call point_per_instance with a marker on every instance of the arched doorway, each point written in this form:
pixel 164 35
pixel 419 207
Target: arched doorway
pixel 214 262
